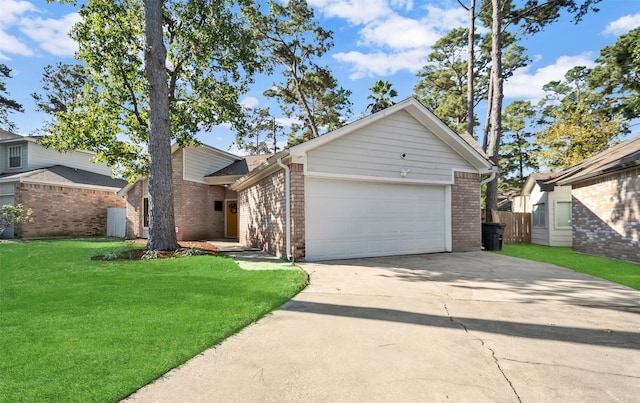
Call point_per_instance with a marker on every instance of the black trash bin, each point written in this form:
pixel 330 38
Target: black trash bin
pixel 492 235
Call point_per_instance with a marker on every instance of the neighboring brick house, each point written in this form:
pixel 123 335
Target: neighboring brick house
pixel 606 202
pixel 68 194
pixel 396 182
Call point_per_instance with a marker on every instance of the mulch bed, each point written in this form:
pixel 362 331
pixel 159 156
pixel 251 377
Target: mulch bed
pixel 187 248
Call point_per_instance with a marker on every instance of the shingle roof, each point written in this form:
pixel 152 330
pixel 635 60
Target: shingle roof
pixel 66 175
pixel 243 166
pixel 5 135
pixel 619 157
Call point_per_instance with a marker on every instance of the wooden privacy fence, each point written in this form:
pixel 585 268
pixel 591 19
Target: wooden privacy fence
pixel 518 226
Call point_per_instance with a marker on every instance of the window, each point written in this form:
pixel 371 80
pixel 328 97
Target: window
pixel 539 215
pixel 15 157
pixel 563 214
pixel 145 212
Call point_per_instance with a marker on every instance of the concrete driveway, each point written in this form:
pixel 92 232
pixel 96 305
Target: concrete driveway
pixel 443 327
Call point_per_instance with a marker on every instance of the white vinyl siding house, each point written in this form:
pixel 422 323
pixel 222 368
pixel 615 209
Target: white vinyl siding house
pixel 550 208
pixel 200 161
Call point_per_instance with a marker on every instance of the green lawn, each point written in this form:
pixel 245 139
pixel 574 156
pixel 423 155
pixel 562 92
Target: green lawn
pixel 74 329
pixel 620 272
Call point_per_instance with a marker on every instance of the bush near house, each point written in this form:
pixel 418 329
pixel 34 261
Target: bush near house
pixel 76 329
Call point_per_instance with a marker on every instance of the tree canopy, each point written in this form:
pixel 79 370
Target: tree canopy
pixel 7 105
pixel 210 55
pixel 292 41
pixel 382 93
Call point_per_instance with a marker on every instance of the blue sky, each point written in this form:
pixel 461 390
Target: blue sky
pixel 374 39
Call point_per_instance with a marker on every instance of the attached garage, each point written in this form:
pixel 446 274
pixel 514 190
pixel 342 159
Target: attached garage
pixel 349 219
pixel 396 182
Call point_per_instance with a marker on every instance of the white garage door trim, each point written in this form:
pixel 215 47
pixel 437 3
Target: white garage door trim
pixel 350 219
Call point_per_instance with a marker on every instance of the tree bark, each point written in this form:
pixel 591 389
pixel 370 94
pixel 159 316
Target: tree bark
pixel 496 104
pixel 162 235
pixel 470 75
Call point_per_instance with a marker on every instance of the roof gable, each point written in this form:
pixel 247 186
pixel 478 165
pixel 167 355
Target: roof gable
pixel 619 157
pixel 463 145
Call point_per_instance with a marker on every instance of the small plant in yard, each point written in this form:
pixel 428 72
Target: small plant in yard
pixel 183 252
pixel 150 254
pixel 10 214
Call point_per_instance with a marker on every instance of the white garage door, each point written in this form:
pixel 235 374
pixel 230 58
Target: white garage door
pixel 348 219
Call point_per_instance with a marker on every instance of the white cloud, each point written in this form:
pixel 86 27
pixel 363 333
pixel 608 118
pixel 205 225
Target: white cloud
pixel 12 10
pixel 249 102
pixel 382 64
pixel 52 35
pixel 355 11
pixel 398 32
pixel 623 24
pixel 527 84
pixel 11 44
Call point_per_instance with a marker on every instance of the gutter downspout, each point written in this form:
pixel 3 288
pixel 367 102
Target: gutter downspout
pixel 489 179
pixel 287 189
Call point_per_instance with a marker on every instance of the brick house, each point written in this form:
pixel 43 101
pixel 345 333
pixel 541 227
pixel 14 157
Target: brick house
pixel 204 205
pixel 396 182
pixel 605 192
pixel 68 194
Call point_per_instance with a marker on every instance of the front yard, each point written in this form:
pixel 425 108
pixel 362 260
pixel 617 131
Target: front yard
pixel 624 273
pixel 76 329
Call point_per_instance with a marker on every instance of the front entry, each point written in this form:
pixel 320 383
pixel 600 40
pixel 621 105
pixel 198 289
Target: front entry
pixel 231 219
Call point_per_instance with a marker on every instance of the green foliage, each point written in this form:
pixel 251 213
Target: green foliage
pixel 62 84
pixel 577 121
pixel 291 40
pixel 617 74
pixel 259 133
pixel 517 149
pixel 7 105
pixel 10 215
pixel 442 84
pixel 74 329
pixel 381 94
pixel 211 54
pixel 624 273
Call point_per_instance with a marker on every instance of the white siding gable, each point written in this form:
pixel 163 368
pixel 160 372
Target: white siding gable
pixel 376 150
pixel 202 161
pixel 40 157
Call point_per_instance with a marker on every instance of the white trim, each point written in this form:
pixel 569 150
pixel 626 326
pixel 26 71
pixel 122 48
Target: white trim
pixel 362 178
pixel 448 232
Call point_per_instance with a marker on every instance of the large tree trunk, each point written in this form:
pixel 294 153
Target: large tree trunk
pixel 470 75
pixel 496 104
pixel 162 235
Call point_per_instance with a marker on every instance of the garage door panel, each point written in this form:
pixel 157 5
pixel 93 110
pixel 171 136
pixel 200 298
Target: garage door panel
pixel 358 219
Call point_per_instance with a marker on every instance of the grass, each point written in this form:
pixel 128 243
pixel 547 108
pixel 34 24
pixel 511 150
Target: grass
pixel 613 270
pixel 76 330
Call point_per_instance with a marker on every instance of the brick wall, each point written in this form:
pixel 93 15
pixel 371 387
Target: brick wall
pixel 262 215
pixel 606 216
pixel 466 231
pixel 64 211
pixel 297 210
pixel 134 211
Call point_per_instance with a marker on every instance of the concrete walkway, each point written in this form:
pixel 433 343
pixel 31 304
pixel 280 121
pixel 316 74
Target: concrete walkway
pixel 445 327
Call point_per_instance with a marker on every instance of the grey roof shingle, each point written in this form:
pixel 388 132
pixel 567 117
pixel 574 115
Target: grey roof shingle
pixel 243 166
pixel 67 175
pixel 619 157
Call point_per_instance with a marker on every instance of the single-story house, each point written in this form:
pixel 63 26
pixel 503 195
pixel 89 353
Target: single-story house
pixel 605 193
pixel 204 205
pixel 550 208
pixel 67 192
pixel 395 182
